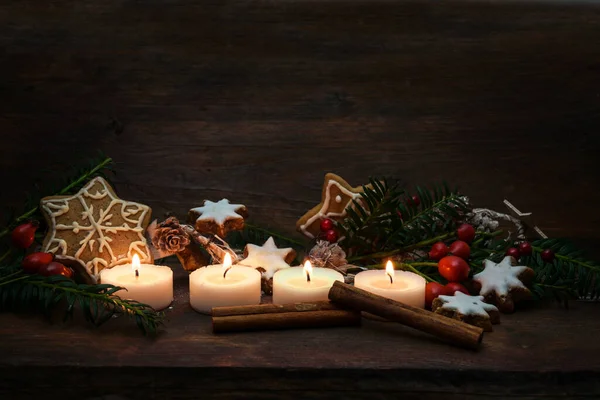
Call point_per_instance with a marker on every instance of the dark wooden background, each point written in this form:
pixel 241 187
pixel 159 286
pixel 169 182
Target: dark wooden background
pixel 256 100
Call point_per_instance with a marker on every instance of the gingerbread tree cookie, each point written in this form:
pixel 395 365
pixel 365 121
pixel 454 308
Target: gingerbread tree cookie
pixel 504 284
pixel 469 309
pixel 336 196
pixel 219 217
pixel 96 228
pixel 268 259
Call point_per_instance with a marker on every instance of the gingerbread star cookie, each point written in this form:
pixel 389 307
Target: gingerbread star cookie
pixel 470 309
pixel 268 259
pixel 219 217
pixel 96 228
pixel 504 284
pixel 336 196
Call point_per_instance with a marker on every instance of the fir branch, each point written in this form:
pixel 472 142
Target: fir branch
pixel 569 275
pixel 74 185
pixel 97 302
pixel 386 221
pixel 370 219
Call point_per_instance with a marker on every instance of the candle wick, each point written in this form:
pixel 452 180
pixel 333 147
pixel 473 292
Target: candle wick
pixel 225 273
pixel 137 273
pixel 307 276
pixel 391 278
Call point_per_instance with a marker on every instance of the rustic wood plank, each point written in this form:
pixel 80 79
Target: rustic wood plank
pixel 538 351
pixel 255 101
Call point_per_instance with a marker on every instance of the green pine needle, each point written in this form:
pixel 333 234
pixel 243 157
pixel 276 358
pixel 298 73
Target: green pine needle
pixel 96 167
pixel 22 292
pixel 98 303
pixel 385 221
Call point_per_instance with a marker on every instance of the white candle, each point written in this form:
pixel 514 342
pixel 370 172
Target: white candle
pixel 302 284
pixel 146 283
pixel 403 286
pixel 224 285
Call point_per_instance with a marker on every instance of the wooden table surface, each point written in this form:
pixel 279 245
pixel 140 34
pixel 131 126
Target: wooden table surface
pixel 542 350
pixel 255 101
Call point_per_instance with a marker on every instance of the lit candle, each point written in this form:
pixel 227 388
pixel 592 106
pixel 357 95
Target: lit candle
pixel 224 285
pixel 146 283
pixel 403 286
pixel 302 284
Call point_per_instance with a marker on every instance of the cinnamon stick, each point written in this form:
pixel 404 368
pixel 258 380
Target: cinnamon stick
pixel 452 331
pixel 274 316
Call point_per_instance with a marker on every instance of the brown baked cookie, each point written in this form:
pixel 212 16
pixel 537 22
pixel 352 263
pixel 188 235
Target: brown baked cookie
pixel 469 309
pixel 336 196
pixel 503 284
pixel 267 259
pixel 219 217
pixel 96 227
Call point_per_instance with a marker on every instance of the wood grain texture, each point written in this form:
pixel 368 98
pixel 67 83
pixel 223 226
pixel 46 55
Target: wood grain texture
pixel 541 350
pixel 255 101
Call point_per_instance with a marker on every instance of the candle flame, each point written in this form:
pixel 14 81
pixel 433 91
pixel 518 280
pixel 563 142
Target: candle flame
pixel 136 265
pixel 389 270
pixel 308 270
pixel 226 264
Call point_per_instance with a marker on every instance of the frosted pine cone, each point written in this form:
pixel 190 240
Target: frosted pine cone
pixel 170 237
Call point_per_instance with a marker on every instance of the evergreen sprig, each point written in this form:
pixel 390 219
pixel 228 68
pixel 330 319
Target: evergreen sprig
pixel 372 217
pixel 569 275
pixel 98 166
pixel 21 292
pixel 98 303
pixel 387 221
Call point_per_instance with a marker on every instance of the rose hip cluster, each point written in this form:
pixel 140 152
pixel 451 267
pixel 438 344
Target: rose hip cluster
pixel 23 237
pixel 452 264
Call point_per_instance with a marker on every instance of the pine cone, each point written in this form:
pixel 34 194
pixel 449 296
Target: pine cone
pixel 329 255
pixel 170 236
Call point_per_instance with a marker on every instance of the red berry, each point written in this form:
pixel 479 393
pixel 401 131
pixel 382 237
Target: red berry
pixel 432 291
pixel 34 261
pixel 453 268
pixel 331 236
pixel 326 225
pixel 466 233
pixel 460 249
pixel 415 200
pixel 513 252
pixel 56 268
pixel 525 248
pixel 438 251
pixel 454 287
pixel 24 235
pixel 547 255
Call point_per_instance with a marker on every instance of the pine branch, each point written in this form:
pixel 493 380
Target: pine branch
pixel 84 176
pixel 22 292
pixel 569 275
pixel 387 222
pixel 371 219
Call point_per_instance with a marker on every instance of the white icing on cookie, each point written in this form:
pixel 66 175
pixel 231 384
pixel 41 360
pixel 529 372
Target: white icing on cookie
pixel 98 230
pixel 220 211
pixel 338 199
pixel 323 212
pixel 467 305
pixel 499 278
pixel 267 256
